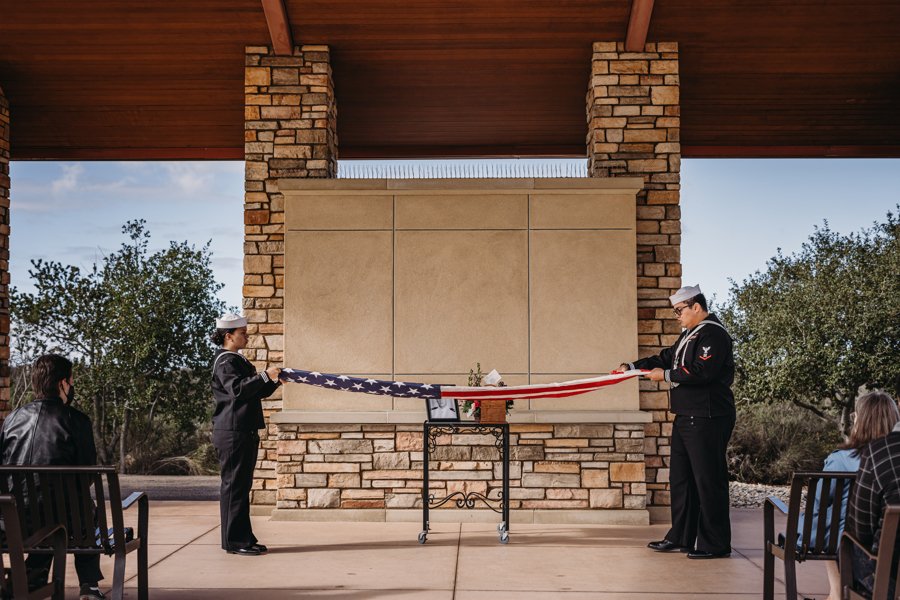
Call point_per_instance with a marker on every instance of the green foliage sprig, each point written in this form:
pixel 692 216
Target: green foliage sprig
pixel 473 407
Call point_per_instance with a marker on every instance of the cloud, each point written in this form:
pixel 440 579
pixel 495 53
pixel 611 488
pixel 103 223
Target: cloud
pixel 112 187
pixel 228 232
pixel 201 178
pixel 189 177
pixel 31 205
pixel 228 262
pixel 69 179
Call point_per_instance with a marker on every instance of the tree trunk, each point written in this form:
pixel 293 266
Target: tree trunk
pixel 97 426
pixel 846 422
pixel 126 418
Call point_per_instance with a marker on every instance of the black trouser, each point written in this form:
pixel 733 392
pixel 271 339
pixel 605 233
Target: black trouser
pixel 699 483
pixel 237 452
pixel 87 566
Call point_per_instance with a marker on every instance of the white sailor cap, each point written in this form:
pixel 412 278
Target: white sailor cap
pixel 230 321
pixel 685 293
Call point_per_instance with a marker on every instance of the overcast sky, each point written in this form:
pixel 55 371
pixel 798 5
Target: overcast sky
pixel 735 213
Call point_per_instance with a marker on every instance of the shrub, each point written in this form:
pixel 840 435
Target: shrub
pixel 771 441
pixel 174 451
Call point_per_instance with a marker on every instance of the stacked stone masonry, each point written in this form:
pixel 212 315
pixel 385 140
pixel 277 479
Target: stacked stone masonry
pixel 578 466
pixel 634 120
pixel 289 131
pixel 4 255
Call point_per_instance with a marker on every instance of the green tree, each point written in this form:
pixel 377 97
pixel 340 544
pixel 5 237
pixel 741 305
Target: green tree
pixel 136 326
pixel 818 325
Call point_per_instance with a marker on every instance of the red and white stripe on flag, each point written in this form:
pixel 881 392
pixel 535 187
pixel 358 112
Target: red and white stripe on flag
pixel 540 390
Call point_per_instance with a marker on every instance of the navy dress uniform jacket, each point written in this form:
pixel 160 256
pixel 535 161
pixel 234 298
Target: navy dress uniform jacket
pixel 700 364
pixel 238 391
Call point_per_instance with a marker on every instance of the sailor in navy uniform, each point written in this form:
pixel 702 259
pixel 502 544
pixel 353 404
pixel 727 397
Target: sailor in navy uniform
pixel 238 391
pixel 700 369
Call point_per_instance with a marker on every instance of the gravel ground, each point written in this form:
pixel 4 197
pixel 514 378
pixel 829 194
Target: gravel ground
pixel 749 495
pixel 171 487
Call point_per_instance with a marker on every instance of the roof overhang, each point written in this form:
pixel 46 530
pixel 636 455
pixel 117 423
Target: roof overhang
pixel 164 80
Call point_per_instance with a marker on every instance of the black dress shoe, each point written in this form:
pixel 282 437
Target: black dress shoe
pixel 262 549
pixel 702 554
pixel 245 551
pixel 667 546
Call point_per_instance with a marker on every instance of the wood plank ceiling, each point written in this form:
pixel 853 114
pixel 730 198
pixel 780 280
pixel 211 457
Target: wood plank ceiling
pixel 105 79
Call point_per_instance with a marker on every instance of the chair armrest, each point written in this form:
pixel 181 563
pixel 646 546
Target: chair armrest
pixel 777 503
pixel 132 498
pixel 143 502
pixel 845 561
pixel 43 535
pixel 851 539
pixel 769 522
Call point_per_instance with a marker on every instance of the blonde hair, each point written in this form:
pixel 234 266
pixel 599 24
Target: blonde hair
pixel 876 415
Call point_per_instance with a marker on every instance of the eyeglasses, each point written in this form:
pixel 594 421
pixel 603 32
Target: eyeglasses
pixel 679 310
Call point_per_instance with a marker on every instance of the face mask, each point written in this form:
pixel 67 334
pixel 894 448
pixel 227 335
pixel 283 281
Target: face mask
pixel 70 395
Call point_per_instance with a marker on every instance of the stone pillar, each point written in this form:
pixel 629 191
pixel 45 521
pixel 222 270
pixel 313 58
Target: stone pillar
pixel 289 131
pixel 634 121
pixel 4 256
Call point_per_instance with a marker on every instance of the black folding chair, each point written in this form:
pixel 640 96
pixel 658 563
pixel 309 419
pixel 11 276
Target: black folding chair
pixel 831 511
pixel 47 495
pixel 885 561
pixel 15 577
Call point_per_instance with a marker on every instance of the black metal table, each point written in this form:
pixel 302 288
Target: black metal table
pixel 430 432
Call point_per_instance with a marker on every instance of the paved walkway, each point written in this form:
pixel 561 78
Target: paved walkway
pixel 383 560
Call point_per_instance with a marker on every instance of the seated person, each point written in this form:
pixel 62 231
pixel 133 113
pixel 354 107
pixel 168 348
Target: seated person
pixel 876 414
pixel 877 485
pixel 48 431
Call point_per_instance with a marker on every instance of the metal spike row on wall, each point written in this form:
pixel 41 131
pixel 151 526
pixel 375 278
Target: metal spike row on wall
pixel 461 170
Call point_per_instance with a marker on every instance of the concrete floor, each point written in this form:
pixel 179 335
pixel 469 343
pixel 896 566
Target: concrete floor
pixel 358 561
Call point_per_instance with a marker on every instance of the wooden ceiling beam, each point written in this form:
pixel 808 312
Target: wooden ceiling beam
pixel 279 26
pixel 107 153
pixel 870 151
pixel 638 25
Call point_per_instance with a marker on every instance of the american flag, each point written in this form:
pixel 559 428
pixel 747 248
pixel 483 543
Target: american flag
pixel 540 390
pixel 398 389
pixel 405 389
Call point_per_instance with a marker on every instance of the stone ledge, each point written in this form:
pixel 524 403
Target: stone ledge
pixel 660 515
pixel 520 517
pixel 573 185
pixel 407 417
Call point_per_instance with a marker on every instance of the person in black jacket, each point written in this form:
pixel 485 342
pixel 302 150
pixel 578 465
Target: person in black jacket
pixel 238 391
pixel 700 369
pixel 48 431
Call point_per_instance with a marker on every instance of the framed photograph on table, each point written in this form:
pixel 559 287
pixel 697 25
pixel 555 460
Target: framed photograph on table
pixel 442 409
